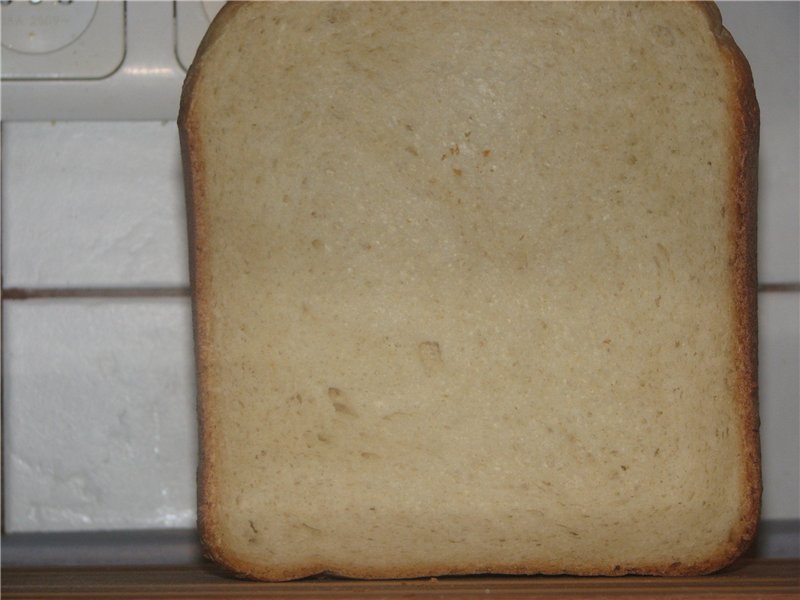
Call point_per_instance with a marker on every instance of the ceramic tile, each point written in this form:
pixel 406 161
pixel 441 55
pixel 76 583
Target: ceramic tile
pixel 99 414
pixel 779 383
pixel 93 205
pixel 767 33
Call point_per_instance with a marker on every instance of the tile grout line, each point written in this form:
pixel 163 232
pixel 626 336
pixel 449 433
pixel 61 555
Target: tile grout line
pixel 18 293
pixel 779 287
pixel 2 357
pixel 98 292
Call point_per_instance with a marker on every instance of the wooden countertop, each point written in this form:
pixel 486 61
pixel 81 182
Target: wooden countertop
pixel 748 578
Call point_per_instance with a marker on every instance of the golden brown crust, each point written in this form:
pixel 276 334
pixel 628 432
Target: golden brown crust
pixel 193 171
pixel 744 279
pixel 248 570
pixel 745 117
pixel 193 174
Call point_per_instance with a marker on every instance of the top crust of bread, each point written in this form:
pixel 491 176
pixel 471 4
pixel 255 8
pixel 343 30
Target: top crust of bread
pixel 740 218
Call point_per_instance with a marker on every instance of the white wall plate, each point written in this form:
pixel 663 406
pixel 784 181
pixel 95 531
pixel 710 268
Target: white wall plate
pixel 57 39
pixel 191 22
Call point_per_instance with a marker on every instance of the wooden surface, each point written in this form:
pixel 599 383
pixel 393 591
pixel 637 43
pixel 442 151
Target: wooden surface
pixel 746 579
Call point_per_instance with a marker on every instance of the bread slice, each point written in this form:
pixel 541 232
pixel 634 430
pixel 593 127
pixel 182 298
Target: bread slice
pixel 474 288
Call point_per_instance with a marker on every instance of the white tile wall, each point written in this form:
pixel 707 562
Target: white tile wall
pixel 779 375
pixel 98 394
pixel 99 414
pixel 767 32
pixel 93 205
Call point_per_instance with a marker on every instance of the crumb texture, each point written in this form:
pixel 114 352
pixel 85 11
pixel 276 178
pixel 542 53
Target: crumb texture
pixel 464 288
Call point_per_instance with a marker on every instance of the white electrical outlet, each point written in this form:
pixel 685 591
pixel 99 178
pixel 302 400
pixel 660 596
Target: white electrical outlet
pixel 61 39
pixel 191 22
pixel 98 60
pixel 121 71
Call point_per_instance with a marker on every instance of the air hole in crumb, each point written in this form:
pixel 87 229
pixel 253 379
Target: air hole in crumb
pixel 663 35
pixel 339 401
pixel 430 355
pixel 313 530
pixel 396 414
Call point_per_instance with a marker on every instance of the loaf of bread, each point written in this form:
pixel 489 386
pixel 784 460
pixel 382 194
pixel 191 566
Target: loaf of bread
pixel 474 288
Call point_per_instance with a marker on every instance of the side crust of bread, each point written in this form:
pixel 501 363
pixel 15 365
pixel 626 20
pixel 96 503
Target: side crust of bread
pixel 745 279
pixel 200 280
pixel 742 223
